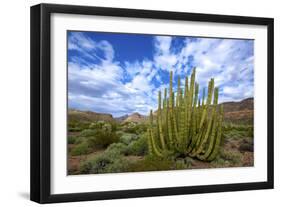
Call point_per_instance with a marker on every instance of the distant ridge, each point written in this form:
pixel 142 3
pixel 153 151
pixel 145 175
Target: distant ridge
pixel 135 117
pixel 88 116
pixel 242 111
pixel 121 118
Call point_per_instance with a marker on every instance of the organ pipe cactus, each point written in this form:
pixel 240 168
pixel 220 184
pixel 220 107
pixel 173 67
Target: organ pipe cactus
pixel 190 125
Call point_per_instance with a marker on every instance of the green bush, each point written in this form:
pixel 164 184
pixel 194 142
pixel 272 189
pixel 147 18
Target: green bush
pixel 237 131
pixel 107 126
pixel 138 147
pixel 220 162
pixel 246 144
pixel 79 140
pixel 88 133
pixel 180 164
pixel 74 129
pixel 111 161
pixel 117 148
pixel 74 139
pixel 135 128
pixel 95 165
pixel 117 166
pixel 71 139
pixel 129 127
pixel 80 149
pixel 114 126
pixel 250 132
pixel 103 138
pixel 76 126
pixel 141 128
pixel 99 138
pixel 96 125
pixel 189 161
pixel 245 147
pixel 233 157
pixel 151 163
pixel 127 138
pixel 183 163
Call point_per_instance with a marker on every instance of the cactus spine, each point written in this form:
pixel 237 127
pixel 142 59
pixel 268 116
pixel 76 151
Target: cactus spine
pixel 185 123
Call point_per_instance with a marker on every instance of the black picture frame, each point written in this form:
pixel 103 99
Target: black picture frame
pixel 41 96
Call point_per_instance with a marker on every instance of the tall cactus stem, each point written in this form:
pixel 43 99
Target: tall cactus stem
pixel 215 151
pixel 159 117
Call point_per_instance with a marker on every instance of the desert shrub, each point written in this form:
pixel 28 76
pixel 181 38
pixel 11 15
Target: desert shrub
pixel 80 149
pixel 96 125
pixel 138 147
pixel 119 133
pixel 107 126
pixel 74 139
pixel 141 128
pixel 99 138
pixel 236 134
pixel 117 148
pixel 127 138
pixel 118 165
pixel 151 163
pixel 220 162
pixel 189 161
pixel 239 127
pixel 250 132
pixel 103 138
pixel 110 161
pixel 71 139
pixel 135 128
pixel 114 126
pixel 76 126
pixel 180 164
pixel 95 165
pixel 79 140
pixel 91 142
pixel 233 157
pixel 129 127
pixel 88 133
pixel 233 134
pixel 238 131
pixel 74 129
pixel 246 145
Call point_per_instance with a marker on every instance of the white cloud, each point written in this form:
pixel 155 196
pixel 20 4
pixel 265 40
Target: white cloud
pixel 100 87
pixel 106 86
pixel 101 90
pixel 222 60
pixel 163 58
pixel 88 47
pixel 163 44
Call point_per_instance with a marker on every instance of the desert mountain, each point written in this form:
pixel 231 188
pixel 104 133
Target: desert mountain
pixel 121 118
pixel 242 111
pixel 135 117
pixel 88 116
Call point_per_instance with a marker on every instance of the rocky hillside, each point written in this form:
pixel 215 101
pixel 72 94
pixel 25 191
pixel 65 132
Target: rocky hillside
pixel 88 116
pixel 242 111
pixel 235 112
pixel 135 117
pixel 121 118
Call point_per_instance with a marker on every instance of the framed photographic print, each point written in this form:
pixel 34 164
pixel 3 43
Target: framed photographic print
pixel 133 103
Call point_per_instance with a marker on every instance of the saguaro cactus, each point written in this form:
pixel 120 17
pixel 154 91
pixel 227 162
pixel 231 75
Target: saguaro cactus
pixel 189 125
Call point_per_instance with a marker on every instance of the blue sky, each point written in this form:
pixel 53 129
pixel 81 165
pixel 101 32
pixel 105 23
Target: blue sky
pixel 122 73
